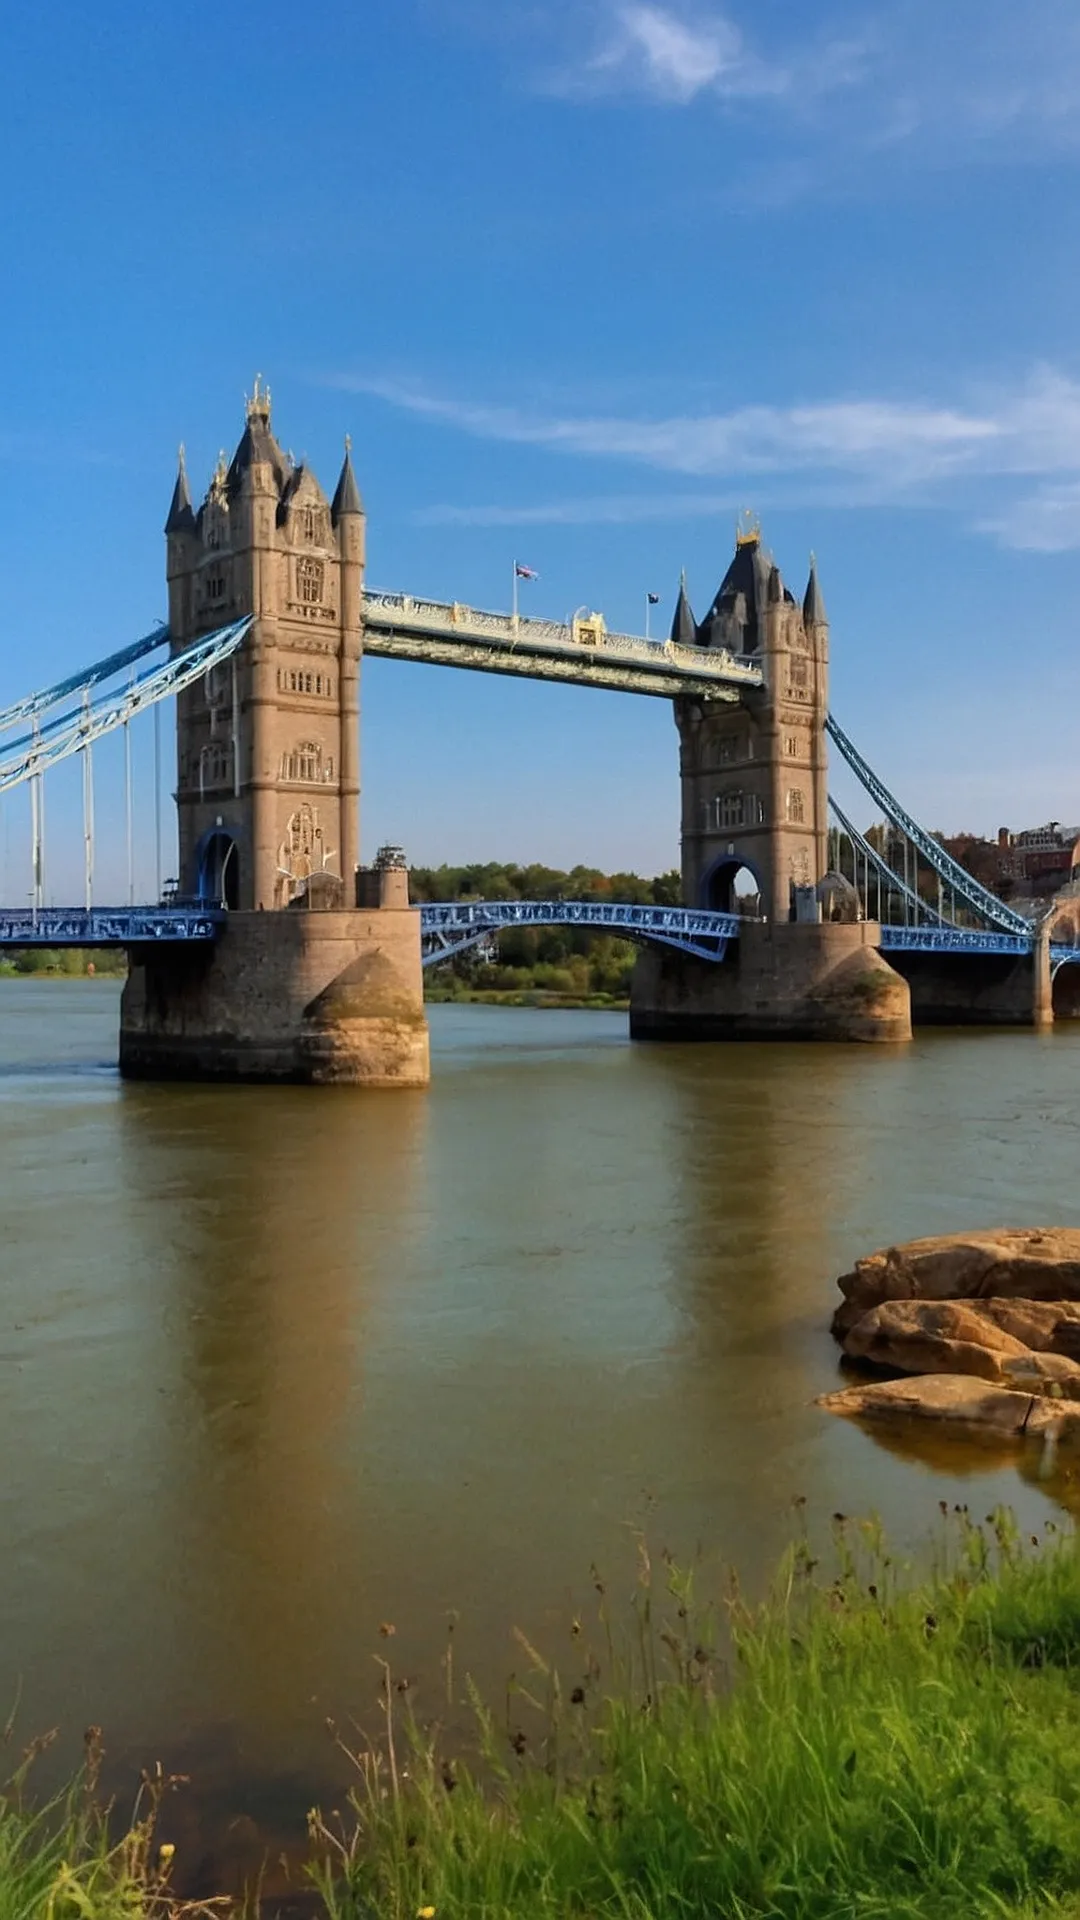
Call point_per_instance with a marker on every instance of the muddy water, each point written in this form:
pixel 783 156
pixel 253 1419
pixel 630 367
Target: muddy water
pixel 278 1367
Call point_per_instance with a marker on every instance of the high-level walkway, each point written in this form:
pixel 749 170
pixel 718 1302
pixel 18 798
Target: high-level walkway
pixel 447 634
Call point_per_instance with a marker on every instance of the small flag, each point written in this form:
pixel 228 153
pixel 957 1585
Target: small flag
pixel 653 599
pixel 525 573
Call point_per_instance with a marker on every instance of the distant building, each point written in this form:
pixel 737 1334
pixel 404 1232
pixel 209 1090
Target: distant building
pixel 1030 865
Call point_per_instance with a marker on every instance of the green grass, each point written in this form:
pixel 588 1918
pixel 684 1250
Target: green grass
pixel 854 1746
pixel 70 1860
pixel 861 1745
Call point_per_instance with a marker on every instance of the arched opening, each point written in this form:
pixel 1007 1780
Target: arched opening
pixel 219 869
pixel 1065 990
pixel 731 886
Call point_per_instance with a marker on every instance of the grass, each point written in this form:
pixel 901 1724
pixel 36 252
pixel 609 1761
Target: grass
pixel 860 1745
pixel 65 1860
pixel 853 1746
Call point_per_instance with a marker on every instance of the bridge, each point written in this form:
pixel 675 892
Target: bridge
pixel 843 920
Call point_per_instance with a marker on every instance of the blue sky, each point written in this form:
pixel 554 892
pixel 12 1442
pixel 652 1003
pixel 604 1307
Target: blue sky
pixel 581 279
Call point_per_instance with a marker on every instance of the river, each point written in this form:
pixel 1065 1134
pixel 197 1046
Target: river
pixel 280 1367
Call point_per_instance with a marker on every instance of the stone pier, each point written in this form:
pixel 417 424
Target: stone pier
pixel 309 996
pixel 789 981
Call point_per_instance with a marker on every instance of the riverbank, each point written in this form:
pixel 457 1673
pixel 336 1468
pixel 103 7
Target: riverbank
pixel 853 1745
pixel 523 997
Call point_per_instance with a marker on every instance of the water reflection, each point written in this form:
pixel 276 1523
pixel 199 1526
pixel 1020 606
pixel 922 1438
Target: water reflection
pixel 280 1367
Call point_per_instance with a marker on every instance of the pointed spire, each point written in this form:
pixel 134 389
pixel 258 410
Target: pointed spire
pixel 813 606
pixel 347 493
pixel 684 626
pixel 181 518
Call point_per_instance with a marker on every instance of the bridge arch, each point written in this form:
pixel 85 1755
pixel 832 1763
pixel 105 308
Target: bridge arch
pixel 218 867
pixel 717 893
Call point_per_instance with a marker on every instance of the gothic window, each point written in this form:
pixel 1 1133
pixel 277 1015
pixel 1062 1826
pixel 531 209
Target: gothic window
pixel 309 580
pixel 796 806
pixel 215 586
pixel 791 745
pixel 731 809
pixel 215 525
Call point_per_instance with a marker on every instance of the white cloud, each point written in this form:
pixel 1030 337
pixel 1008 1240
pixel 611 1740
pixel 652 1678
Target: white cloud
pixel 1034 429
pixel 665 53
pixel 975 79
pixel 1044 522
pixel 845 452
pixel 615 509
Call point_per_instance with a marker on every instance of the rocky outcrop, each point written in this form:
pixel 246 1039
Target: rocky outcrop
pixel 1024 1263
pixel 966 1336
pixel 960 1400
pixel 988 1323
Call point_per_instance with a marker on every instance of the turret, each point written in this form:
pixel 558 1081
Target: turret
pixel 684 626
pixel 181 518
pixel 346 494
pixel 813 606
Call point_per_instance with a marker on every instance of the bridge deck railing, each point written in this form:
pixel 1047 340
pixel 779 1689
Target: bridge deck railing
pixel 455 620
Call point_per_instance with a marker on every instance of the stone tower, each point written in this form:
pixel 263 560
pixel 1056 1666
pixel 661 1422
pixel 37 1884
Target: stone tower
pixel 754 780
pixel 268 745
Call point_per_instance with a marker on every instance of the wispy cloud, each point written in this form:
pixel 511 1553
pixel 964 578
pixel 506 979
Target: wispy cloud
pixel 1047 521
pixel 875 450
pixel 1032 430
pixel 616 509
pixel 653 50
pixel 974 79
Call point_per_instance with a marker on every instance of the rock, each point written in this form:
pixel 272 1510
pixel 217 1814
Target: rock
pixel 961 1401
pixel 1027 1263
pixel 1046 1373
pixel 933 1336
pixel 1046 1326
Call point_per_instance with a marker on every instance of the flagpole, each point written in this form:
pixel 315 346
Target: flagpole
pixel 647 603
pixel 515 591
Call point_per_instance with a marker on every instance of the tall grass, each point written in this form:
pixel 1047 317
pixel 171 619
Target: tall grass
pixel 65 1860
pixel 853 1746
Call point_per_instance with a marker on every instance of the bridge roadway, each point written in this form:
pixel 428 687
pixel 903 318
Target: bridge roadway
pixel 446 634
pixel 450 927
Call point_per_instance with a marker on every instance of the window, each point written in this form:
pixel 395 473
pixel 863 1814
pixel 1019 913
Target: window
pixel 215 586
pixel 730 809
pixel 798 672
pixel 791 745
pixel 796 806
pixel 309 581
pixel 726 748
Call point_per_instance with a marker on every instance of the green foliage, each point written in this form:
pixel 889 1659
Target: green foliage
pixel 851 1747
pixel 70 962
pixel 61 1862
pixel 562 963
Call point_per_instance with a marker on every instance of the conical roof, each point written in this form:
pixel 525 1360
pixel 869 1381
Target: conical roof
pixel 180 519
pixel 683 625
pixel 257 448
pixel 733 619
pixel 346 494
pixel 813 606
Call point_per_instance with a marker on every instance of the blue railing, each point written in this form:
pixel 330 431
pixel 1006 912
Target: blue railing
pixel 449 927
pixel 108 926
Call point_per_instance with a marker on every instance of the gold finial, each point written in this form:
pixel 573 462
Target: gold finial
pixel 258 407
pixel 747 529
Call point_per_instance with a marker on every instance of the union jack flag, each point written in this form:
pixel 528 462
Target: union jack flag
pixel 525 573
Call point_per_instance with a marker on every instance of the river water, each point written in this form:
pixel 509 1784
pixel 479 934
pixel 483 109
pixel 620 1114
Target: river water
pixel 278 1367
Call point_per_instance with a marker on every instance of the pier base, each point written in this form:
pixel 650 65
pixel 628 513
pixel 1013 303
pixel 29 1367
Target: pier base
pixel 789 981
pixel 316 997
